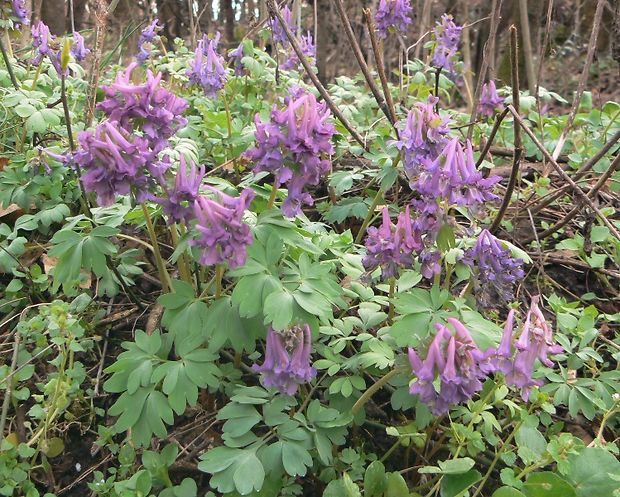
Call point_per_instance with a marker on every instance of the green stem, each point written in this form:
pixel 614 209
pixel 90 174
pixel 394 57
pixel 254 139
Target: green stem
pixel 371 212
pixel 166 284
pixel 7 62
pixel 36 77
pixel 366 396
pixel 391 298
pixel 274 192
pixel 219 273
pixel 184 270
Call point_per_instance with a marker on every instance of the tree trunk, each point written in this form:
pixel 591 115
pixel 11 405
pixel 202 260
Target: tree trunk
pixel 322 41
pixel 229 18
pixel 53 13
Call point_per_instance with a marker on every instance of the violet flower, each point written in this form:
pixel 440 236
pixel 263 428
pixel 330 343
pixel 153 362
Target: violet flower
pixel 499 359
pixel 45 45
pixel 113 162
pixel 390 247
pixel 21 12
pixel 496 270
pixel 393 16
pixel 292 146
pixel 207 68
pixel 490 101
pixel 446 43
pixel 287 359
pixel 422 136
pixel 147 107
pixel 308 49
pixel 452 362
pixel 279 36
pixel 78 49
pixel 223 236
pixel 535 342
pixel 236 56
pixel 147 36
pixel 178 204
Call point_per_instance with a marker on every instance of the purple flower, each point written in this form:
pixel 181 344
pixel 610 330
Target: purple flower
pixel 207 67
pixel 178 204
pixel 292 146
pixel 489 99
pixel 147 35
pixel 446 44
pixel 287 359
pixel 148 107
pixel 496 270
pixel 390 247
pixel 78 50
pixel 45 45
pixel 223 236
pixel 422 136
pixel 114 162
pixel 308 49
pixel 535 342
pixel 279 35
pixel 236 57
pixel 21 12
pixel 393 15
pixel 452 362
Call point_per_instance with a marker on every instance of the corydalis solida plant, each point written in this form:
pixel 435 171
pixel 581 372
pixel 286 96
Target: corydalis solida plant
pixel 147 37
pixel 446 37
pixel 207 67
pixel 287 359
pixel 293 146
pixel 393 16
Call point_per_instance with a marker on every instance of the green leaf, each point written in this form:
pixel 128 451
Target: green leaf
pixel 344 487
pixel 278 309
pixel 375 480
pixel 508 492
pixel 531 444
pixel 547 483
pixel 396 486
pixel 450 467
pixel 590 470
pixel 455 485
pixel 295 459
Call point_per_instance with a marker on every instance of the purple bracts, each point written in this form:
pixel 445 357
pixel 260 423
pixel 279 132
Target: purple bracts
pixel 291 146
pixel 223 236
pixel 45 45
pixel 308 49
pixel 490 101
pixel 497 270
pixel 113 162
pixel 389 247
pixel 147 35
pixel 453 361
pixel 499 359
pixel 147 107
pixel 207 68
pixel 287 359
pixel 422 136
pixel 393 16
pixel 21 12
pixel 236 56
pixel 446 37
pixel 78 49
pixel 178 204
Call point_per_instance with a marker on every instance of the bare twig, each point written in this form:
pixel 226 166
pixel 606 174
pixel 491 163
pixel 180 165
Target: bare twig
pixel 357 51
pixel 518 150
pixel 7 392
pixel 275 11
pixel 563 175
pixel 487 145
pixel 582 80
pixel 527 46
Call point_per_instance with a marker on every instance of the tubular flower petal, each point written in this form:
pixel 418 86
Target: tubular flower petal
pixel 207 68
pixel 147 36
pixel 178 204
pixel 490 101
pixel 393 16
pixel 446 37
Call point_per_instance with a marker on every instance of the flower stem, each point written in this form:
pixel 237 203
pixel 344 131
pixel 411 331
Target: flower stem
pixel 219 273
pixel 371 212
pixel 7 62
pixel 274 192
pixel 372 390
pixel 391 298
pixel 184 270
pixel 161 265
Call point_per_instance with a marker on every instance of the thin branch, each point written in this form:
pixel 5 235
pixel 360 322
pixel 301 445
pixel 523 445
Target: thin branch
pixel 275 11
pixel 518 149
pixel 487 145
pixel 9 67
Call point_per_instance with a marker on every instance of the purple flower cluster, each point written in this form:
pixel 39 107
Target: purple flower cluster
pixel 391 247
pixel 279 36
pixel 207 68
pixel 236 57
pixel 393 16
pixel 21 12
pixel 179 201
pixel 147 36
pixel 308 49
pixel 516 361
pixel 114 162
pixel 287 359
pixel 446 43
pixel 223 236
pixel 292 146
pixel 452 361
pixel 78 49
pixel 147 107
pixel 497 270
pixel 45 45
pixel 422 136
pixel 489 100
